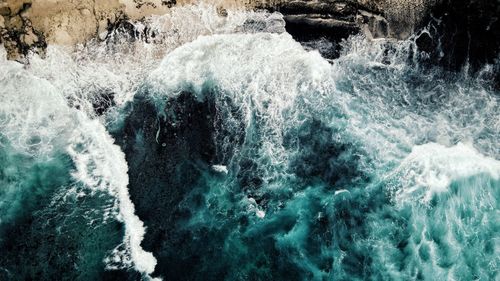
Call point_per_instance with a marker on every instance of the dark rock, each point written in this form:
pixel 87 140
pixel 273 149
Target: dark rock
pixel 425 42
pixel 307 27
pixel 463 33
pixel 167 152
pixel 314 22
pixel 103 102
pixel 338 10
pixel 169 3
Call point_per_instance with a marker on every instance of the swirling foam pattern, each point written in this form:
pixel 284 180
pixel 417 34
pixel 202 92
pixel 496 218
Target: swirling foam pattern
pixel 241 156
pixel 356 167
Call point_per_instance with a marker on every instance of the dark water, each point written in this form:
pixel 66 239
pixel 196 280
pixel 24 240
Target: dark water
pixel 239 155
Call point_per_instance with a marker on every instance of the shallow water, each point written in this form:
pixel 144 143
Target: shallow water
pixel 227 151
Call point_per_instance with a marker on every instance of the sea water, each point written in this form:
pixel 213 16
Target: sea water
pixel 228 151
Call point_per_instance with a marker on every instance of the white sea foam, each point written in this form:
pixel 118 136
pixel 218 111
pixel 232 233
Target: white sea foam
pixel 36 120
pixel 101 165
pixel 253 207
pixel 34 117
pixel 431 168
pixel 239 67
pixel 341 191
pixel 220 169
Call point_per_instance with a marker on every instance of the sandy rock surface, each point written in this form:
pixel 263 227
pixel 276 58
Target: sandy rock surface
pixel 32 24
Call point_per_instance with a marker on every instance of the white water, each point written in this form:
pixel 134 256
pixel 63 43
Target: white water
pixel 415 130
pixel 36 120
pixel 100 164
pixel 38 115
pixel 431 168
pixel 386 119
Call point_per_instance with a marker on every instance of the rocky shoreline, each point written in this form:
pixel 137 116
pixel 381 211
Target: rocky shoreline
pixel 30 25
pixel 236 152
pixel 458 36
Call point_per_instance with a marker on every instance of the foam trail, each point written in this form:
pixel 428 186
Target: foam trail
pixel 32 108
pixel 101 165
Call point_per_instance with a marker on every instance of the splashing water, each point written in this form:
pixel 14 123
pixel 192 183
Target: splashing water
pixel 38 126
pixel 341 154
pixel 247 157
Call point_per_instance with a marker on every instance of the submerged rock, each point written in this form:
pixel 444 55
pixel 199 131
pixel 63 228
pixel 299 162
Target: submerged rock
pixel 166 151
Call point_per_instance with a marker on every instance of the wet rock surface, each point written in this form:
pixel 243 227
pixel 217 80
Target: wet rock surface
pixel 463 33
pixel 321 25
pixel 27 25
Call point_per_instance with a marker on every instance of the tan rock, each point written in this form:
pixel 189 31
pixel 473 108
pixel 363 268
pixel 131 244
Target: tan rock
pixel 62 37
pixel 68 22
pixel 102 29
pixel 139 9
pixel 85 12
pixel 11 48
pixel 29 38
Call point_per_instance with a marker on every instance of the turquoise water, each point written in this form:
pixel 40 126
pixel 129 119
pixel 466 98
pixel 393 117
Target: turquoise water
pixel 238 155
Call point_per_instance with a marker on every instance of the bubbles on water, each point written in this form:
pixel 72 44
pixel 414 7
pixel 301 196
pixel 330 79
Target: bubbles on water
pixel 432 169
pixel 37 123
pixel 320 141
pixel 323 161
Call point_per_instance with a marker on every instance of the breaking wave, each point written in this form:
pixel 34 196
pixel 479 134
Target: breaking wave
pixel 224 150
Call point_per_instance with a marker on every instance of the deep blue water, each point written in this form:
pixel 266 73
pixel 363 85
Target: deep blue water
pixel 239 155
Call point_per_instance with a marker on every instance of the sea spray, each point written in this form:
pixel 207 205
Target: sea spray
pixel 65 137
pixel 41 130
pixel 249 158
pixel 335 156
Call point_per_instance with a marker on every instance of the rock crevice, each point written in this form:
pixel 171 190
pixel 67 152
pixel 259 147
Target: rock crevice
pixel 17 32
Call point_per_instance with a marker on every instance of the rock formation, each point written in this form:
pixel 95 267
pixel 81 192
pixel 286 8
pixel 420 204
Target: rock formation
pixel 32 24
pixel 386 18
pixel 465 32
pixel 460 36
